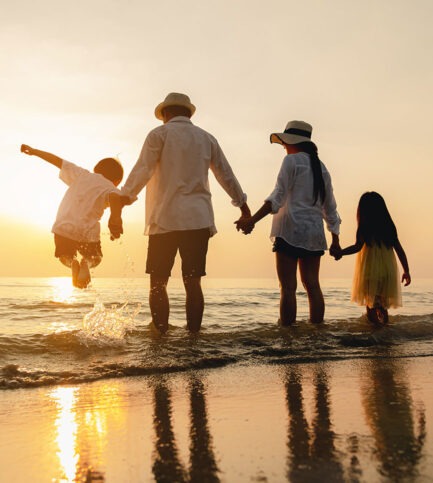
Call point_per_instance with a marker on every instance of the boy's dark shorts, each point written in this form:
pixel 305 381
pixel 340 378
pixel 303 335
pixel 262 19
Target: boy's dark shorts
pixel 281 246
pixel 192 246
pixel 65 247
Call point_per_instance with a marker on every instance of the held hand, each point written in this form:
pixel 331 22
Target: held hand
pixel 406 278
pixel 335 251
pixel 26 149
pixel 115 226
pixel 245 224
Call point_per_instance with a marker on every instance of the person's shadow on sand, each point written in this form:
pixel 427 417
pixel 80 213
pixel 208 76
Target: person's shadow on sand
pixel 166 465
pixel 312 452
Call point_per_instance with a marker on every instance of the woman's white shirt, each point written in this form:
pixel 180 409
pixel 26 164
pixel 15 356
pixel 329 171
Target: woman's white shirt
pixel 296 218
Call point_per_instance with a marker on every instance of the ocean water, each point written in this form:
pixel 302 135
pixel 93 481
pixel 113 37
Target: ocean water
pixel 52 333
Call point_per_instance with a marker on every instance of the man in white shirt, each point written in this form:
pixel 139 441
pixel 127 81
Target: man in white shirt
pixel 174 165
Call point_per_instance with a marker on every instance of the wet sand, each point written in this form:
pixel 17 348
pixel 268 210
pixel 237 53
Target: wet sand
pixel 362 420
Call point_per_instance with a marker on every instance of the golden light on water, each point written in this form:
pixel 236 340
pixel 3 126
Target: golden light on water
pixel 62 289
pixel 66 426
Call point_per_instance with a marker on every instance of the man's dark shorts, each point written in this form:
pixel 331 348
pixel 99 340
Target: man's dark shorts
pixel 65 247
pixel 192 246
pixel 281 246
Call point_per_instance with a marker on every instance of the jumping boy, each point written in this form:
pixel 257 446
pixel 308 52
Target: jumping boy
pixel 77 227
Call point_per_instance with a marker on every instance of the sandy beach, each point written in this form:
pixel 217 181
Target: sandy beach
pixel 354 420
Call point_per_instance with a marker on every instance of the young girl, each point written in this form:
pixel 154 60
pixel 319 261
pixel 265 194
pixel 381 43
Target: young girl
pixel 376 282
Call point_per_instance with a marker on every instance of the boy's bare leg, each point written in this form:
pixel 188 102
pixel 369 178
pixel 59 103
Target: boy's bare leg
pixel 74 265
pixel 194 303
pixel 159 303
pixel 84 277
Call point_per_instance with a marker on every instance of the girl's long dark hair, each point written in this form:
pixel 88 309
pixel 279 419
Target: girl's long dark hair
pixel 375 225
pixel 319 190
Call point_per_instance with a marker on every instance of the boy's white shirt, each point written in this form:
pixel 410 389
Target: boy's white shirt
pixel 83 203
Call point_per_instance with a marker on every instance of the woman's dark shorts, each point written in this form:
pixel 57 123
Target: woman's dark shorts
pixel 192 246
pixel 65 247
pixel 281 246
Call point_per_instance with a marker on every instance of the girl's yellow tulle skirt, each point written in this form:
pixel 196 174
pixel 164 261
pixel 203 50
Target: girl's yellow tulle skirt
pixel 376 280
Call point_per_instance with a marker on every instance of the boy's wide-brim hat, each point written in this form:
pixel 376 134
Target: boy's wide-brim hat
pixel 174 99
pixel 296 132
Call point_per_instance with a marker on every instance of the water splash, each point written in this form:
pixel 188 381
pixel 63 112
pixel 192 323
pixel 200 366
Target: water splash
pixel 104 325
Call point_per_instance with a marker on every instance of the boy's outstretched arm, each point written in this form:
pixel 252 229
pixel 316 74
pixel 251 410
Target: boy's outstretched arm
pixel 50 158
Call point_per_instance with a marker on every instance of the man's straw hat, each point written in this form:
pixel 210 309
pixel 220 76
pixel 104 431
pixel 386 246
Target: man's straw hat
pixel 174 99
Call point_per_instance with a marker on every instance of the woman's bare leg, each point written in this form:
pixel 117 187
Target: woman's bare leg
pixel 309 269
pixel 286 271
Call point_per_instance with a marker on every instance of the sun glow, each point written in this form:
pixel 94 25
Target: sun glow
pixel 62 289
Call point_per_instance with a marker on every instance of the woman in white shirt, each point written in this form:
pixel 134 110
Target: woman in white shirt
pixel 301 200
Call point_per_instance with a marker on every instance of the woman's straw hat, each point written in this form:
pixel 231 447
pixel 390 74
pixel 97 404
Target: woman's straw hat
pixel 296 132
pixel 174 99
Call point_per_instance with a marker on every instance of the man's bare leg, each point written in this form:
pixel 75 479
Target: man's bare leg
pixel 159 303
pixel 194 303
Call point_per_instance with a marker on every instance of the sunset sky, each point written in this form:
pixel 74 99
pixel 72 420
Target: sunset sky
pixel 81 79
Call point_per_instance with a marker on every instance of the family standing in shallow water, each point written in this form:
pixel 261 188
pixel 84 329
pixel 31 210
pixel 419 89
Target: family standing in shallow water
pixel 174 164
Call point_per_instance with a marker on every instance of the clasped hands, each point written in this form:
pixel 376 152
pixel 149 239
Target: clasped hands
pixel 336 252
pixel 245 224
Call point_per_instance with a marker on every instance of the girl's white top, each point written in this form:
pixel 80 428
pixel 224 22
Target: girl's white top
pixel 296 219
pixel 83 204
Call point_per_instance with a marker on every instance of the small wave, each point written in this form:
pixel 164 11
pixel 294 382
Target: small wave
pixel 50 305
pixel 124 348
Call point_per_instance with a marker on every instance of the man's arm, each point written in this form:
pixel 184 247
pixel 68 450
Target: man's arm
pixel 225 176
pixel 144 167
pixel 115 223
pixel 50 158
pixel 246 224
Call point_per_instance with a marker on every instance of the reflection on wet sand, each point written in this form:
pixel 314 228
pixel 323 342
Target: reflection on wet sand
pixel 82 429
pixel 66 431
pixel 88 420
pixel 312 453
pixel 399 429
pixel 203 465
pixel 166 464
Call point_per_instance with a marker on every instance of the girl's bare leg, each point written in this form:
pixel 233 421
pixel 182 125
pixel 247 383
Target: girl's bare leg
pixel 309 268
pixel 286 271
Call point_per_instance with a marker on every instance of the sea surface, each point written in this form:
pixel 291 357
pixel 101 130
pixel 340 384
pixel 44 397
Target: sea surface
pixel 52 333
